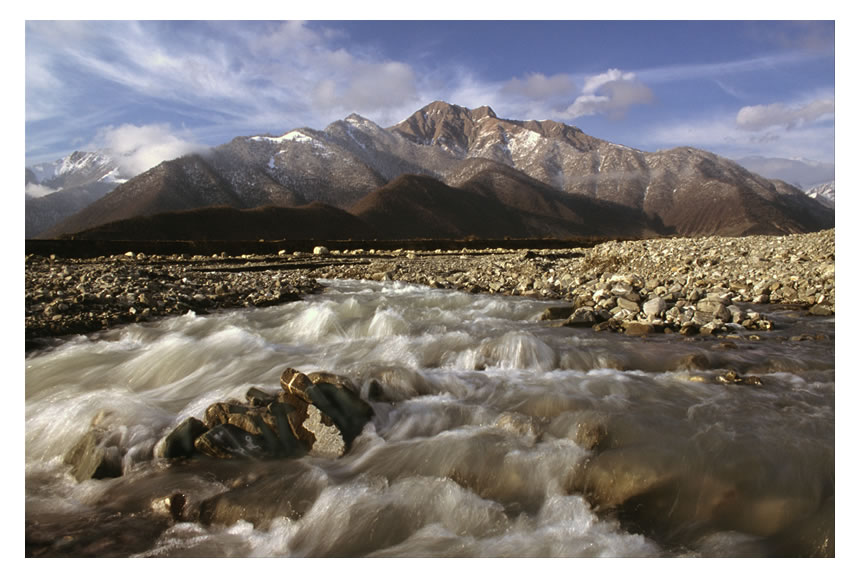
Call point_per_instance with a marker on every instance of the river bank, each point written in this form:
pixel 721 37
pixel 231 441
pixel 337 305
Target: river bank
pixel 688 285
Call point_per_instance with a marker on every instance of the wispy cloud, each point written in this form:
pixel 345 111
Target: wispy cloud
pixel 252 75
pixel 716 70
pixel 722 135
pixel 611 93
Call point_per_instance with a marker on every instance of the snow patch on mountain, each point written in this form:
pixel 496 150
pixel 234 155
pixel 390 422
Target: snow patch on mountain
pixel 824 193
pixel 296 136
pixel 524 142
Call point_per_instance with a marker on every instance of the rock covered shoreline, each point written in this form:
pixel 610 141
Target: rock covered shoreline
pixel 687 285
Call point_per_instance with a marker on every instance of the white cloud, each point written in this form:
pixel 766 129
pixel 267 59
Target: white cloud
pixel 139 148
pixel 611 93
pixel 780 115
pixel 37 190
pixel 594 82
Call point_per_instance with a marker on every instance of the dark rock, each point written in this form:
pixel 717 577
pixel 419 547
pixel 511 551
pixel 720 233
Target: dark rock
pixel 229 442
pixel 688 329
pixel 180 441
pixel 258 397
pixel 286 422
pixel 557 312
pixel 348 411
pixel 584 316
pixel 331 378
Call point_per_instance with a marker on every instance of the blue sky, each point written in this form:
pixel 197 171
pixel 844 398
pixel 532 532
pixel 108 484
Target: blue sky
pixel 157 89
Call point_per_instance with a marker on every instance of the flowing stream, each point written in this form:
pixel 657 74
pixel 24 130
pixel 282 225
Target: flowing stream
pixel 494 434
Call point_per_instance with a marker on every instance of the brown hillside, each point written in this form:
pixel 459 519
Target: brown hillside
pixel 309 222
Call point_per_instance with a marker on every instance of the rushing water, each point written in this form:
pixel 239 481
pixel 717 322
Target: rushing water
pixel 494 434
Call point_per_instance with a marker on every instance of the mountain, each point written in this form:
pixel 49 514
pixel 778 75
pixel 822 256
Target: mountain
pixel 824 193
pixel 58 189
pixel 540 177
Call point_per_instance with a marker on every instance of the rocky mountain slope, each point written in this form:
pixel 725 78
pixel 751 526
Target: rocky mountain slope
pixel 501 177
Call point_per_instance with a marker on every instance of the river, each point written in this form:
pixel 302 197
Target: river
pixel 494 434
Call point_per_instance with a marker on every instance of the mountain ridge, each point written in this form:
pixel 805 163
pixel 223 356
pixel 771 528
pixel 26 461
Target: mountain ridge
pixel 683 191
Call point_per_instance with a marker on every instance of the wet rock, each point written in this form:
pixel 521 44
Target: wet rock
pixel 321 418
pixel 821 310
pixel 557 313
pixel 591 432
pixel 519 424
pixel 582 317
pixel 218 413
pixel 812 537
pixel 296 383
pixel 331 378
pixel 180 441
pixel 345 408
pixel 93 457
pixel 286 421
pixel 694 361
pixel 227 441
pixel 638 328
pixel 617 475
pixel 734 378
pixel 172 506
pixel 688 329
pixel 259 398
pixel 288 495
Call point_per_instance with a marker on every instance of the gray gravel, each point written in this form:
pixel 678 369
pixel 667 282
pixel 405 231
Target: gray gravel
pixel 688 285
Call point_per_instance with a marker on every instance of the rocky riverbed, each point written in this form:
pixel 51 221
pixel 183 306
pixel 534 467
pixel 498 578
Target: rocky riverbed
pixel 686 285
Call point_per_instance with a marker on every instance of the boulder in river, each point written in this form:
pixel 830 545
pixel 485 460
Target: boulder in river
pixel 94 457
pixel 318 414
